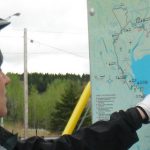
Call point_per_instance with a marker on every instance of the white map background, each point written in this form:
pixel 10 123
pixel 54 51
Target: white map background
pixel 119 37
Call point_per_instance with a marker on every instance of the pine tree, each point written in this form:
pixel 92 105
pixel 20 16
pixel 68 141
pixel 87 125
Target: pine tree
pixel 65 106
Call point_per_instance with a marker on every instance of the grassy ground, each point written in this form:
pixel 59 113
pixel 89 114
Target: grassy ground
pixel 19 129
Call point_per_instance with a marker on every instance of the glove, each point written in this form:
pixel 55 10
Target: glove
pixel 144 105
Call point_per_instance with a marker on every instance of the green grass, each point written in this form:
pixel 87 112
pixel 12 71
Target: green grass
pixel 19 129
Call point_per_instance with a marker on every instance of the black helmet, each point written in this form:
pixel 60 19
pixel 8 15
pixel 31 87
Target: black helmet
pixel 3 23
pixel 1 59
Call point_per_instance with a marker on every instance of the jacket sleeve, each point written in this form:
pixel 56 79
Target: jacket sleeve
pixel 119 133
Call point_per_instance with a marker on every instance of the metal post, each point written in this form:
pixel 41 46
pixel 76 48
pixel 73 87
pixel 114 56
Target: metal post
pixel 25 86
pixel 84 98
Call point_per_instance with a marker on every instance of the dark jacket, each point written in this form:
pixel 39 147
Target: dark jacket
pixel 119 133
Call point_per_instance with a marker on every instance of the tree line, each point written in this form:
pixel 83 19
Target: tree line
pixel 52 98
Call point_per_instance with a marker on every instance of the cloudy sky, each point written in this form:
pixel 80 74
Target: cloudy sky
pixel 57 36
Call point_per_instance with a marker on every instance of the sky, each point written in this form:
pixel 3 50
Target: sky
pixel 57 32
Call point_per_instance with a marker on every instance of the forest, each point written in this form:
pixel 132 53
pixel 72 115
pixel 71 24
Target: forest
pixel 52 98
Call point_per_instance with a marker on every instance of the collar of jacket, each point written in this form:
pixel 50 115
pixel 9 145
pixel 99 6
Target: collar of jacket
pixel 10 142
pixel 2 148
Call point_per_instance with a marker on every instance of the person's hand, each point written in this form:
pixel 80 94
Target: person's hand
pixel 145 105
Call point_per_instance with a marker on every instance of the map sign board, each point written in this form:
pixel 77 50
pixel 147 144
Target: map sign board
pixel 119 41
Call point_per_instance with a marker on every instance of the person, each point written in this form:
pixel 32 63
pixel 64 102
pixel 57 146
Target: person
pixel 118 133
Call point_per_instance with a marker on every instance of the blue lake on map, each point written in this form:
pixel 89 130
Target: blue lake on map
pixel 141 71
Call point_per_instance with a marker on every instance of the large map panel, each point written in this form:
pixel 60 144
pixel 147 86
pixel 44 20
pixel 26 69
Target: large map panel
pixel 119 40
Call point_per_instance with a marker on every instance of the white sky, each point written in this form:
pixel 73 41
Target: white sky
pixel 59 34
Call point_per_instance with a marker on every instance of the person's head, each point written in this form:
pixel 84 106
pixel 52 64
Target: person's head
pixel 4 80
